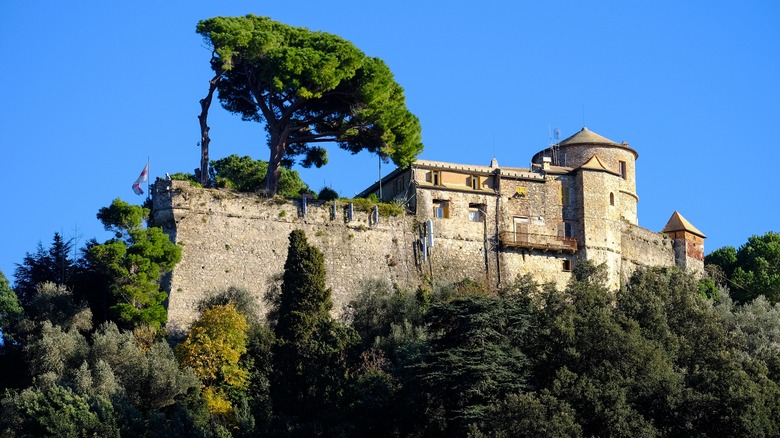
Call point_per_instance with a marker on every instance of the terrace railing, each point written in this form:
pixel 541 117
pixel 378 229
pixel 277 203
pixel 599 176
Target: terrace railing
pixel 544 242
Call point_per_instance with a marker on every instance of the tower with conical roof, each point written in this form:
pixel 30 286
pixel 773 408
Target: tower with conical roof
pixel 604 187
pixel 688 243
pixel 579 151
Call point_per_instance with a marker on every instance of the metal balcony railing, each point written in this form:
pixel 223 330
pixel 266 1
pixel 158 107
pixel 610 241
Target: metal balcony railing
pixel 544 242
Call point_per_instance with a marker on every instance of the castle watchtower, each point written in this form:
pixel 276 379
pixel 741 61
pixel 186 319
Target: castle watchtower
pixel 604 189
pixel 688 243
pixel 618 158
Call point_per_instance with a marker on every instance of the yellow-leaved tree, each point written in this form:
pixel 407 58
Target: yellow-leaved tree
pixel 213 350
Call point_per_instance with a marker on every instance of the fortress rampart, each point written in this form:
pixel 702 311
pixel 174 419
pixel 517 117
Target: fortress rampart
pixel 237 239
pixel 491 224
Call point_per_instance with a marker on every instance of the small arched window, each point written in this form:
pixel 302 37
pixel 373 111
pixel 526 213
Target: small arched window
pixel 611 199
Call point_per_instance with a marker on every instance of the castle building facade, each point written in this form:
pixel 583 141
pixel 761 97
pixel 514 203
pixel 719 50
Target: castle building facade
pixel 577 201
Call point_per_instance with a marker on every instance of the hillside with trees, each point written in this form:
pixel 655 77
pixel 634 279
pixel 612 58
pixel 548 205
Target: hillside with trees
pixel 84 352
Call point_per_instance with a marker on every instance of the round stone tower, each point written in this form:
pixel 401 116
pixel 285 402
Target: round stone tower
pixel 617 158
pixel 604 186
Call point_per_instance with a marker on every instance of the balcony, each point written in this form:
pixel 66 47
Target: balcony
pixel 543 242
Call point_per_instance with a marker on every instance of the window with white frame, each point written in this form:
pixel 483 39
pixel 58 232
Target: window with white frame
pixel 566 229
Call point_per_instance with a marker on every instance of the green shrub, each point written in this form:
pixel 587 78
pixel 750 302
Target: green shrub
pixel 183 176
pixel 327 194
pixel 385 209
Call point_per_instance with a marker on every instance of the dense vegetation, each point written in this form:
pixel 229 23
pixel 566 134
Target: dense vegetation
pixel 751 271
pixel 83 353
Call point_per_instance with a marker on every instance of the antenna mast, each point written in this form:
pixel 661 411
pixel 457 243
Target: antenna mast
pixel 555 134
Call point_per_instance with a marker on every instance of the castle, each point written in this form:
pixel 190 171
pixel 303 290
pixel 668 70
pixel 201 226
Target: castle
pixel 577 201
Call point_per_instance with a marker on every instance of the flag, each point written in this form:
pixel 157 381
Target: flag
pixel 141 179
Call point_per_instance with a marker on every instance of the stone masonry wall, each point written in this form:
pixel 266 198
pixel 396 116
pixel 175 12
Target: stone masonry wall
pixel 642 247
pixel 602 226
pixel 241 240
pixel 541 204
pixel 231 239
pixel 624 189
pixel 462 248
pixel 544 267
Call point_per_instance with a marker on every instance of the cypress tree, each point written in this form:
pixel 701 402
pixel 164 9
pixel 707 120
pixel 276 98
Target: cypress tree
pixel 309 357
pixel 304 300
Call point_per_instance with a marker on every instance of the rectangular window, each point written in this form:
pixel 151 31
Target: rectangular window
pixel 567 266
pixel 521 228
pixel 436 177
pixel 565 196
pixel 477 212
pixel 399 185
pixel 566 229
pixel 441 209
pixel 623 171
pixel 476 183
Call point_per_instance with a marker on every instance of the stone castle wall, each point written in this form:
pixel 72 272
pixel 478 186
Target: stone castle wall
pixel 461 248
pixel 642 247
pixel 232 239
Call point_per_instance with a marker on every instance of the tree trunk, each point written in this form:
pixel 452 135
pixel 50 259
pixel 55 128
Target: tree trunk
pixel 277 145
pixel 205 103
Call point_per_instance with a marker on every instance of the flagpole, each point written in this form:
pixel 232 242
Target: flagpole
pixel 148 179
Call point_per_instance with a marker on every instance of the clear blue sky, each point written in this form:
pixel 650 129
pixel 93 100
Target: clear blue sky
pixel 91 88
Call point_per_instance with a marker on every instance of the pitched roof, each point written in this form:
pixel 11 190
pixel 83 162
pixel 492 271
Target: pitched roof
pixel 586 136
pixel 595 164
pixel 678 223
